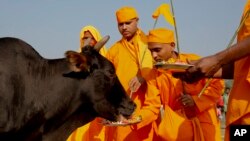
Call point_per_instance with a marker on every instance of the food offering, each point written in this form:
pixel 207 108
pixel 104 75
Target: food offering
pixel 173 65
pixel 130 121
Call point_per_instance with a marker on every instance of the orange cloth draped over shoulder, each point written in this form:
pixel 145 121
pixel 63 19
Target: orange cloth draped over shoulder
pixel 239 98
pixel 97 36
pixel 93 131
pixel 132 58
pixel 203 125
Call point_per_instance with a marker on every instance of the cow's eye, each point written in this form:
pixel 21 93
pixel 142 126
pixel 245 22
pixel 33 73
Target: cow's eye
pixel 93 67
pixel 111 71
pixel 78 65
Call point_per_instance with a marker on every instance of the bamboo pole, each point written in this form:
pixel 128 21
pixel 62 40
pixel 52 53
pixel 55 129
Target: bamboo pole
pixel 175 29
pixel 155 23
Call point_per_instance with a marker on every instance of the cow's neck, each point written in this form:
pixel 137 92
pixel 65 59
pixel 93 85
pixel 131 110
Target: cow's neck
pixel 69 125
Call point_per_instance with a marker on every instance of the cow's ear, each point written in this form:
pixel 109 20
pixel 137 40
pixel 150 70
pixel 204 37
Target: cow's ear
pixel 77 61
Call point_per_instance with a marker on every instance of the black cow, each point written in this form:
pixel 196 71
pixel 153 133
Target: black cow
pixel 46 99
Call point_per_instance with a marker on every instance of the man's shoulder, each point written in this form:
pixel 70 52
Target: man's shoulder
pixel 192 56
pixel 116 45
pixel 114 48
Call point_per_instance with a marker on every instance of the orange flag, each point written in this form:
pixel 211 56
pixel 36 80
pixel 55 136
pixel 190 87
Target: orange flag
pixel 164 9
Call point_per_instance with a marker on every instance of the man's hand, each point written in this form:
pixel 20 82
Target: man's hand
pixel 186 100
pixel 204 67
pixel 135 83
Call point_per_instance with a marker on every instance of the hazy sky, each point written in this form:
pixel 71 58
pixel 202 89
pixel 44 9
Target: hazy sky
pixel 53 26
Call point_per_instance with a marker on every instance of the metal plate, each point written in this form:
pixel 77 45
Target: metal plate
pixel 173 67
pixel 119 123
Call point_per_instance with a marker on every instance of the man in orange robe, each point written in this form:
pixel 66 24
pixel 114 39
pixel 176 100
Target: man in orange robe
pixel 233 63
pixel 187 116
pixel 239 98
pixel 133 63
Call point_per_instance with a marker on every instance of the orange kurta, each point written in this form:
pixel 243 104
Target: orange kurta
pixel 239 98
pixel 130 59
pixel 204 125
pixel 174 125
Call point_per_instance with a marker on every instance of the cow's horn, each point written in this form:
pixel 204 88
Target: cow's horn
pixel 86 42
pixel 101 43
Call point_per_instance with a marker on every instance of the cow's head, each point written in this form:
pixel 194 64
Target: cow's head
pixel 104 90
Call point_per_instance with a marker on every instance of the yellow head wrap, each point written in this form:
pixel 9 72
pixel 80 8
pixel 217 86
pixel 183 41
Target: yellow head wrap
pixel 126 13
pixel 94 32
pixel 161 35
pixel 96 35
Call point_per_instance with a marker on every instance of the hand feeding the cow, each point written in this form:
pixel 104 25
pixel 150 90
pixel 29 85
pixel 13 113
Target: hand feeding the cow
pixel 45 99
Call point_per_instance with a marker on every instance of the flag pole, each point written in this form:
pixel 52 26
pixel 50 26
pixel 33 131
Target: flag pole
pixel 155 23
pixel 175 27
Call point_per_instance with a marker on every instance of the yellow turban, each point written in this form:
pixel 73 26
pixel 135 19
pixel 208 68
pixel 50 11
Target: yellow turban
pixel 161 35
pixel 126 13
pixel 93 31
pixel 96 35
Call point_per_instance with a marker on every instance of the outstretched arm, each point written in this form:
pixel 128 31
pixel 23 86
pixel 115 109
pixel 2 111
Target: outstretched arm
pixel 208 66
pixel 219 65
